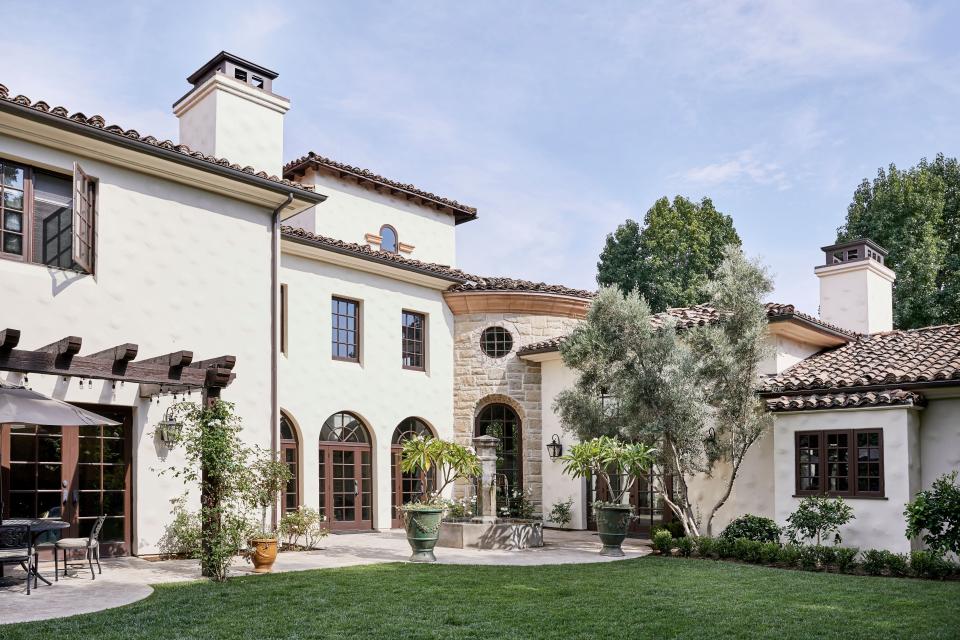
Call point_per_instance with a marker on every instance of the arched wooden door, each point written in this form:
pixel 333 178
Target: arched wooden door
pixel 346 473
pixel 406 487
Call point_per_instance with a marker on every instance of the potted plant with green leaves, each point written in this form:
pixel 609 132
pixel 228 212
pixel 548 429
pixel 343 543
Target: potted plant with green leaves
pixel 606 459
pixel 268 477
pixel 439 463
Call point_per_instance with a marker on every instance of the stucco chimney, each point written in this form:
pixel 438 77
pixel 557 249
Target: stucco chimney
pixel 232 113
pixel 856 288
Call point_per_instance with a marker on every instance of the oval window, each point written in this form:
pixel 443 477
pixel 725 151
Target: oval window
pixel 388 239
pixel 496 342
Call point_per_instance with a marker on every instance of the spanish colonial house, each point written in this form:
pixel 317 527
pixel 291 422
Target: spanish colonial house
pixel 324 301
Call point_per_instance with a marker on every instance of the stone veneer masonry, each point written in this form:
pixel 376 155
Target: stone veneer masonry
pixel 480 380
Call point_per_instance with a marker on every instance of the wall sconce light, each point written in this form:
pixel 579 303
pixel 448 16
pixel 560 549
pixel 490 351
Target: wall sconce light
pixel 169 428
pixel 554 448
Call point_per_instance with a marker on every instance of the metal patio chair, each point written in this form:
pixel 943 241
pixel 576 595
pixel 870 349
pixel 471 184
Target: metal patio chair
pixel 16 546
pixel 90 545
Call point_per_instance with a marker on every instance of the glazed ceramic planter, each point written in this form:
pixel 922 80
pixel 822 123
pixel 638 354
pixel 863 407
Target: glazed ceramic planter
pixel 612 524
pixel 263 554
pixel 423 529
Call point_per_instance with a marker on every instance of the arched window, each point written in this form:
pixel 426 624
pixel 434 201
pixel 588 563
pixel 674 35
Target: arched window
pixel 388 239
pixel 346 472
pixel 501 421
pixel 290 454
pixel 407 487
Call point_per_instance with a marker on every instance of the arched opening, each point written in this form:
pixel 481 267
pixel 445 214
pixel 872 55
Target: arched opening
pixel 346 472
pixel 406 487
pixel 388 239
pixel 501 421
pixel 290 455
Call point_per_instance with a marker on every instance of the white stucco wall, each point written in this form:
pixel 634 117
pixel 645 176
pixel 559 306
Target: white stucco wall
pixel 557 486
pixel 857 296
pixel 177 268
pixel 352 211
pixel 879 523
pixel 939 439
pixel 313 386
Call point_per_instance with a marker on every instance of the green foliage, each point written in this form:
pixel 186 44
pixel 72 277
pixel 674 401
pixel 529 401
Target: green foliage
pixel 459 508
pixel 770 552
pixel 562 512
pixel 817 517
pixel 875 561
pixel 827 556
pixel 752 528
pixel 684 546
pixel 663 542
pixel 670 258
pixel 603 457
pixel 809 557
pixel 450 462
pixel 724 547
pixel 934 515
pixel 182 536
pixel 898 564
pixel 929 564
pixel 705 546
pixel 914 214
pixel 304 524
pixel 747 550
pixel 268 477
pixel 846 558
pixel 790 555
pixel 521 505
pixel 675 528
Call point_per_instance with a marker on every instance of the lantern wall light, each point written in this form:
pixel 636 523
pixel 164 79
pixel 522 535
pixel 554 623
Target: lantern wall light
pixel 554 447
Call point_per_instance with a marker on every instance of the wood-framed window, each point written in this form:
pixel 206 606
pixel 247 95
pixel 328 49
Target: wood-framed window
pixel 413 341
pixel 284 319
pixel 290 455
pixel 345 329
pixel 846 463
pixel 47 218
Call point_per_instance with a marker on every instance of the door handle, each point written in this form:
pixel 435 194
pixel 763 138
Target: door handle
pixel 356 488
pixel 64 498
pixel 76 496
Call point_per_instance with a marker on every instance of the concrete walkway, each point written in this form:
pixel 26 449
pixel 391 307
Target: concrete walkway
pixel 126 580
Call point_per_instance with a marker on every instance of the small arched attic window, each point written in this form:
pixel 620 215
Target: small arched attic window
pixel 388 239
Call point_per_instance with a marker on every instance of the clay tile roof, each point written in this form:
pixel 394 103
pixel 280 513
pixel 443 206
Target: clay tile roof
pixel 511 284
pixel 365 252
pixel 889 397
pixel 544 346
pixel 97 122
pixel 927 355
pixel 312 159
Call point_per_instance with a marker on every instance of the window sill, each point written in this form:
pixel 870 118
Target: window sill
pixel 418 369
pixel 16 259
pixel 347 360
pixel 827 495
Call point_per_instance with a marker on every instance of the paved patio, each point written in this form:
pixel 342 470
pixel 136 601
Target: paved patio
pixel 126 580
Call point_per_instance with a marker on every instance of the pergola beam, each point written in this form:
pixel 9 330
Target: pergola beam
pixel 120 353
pixel 69 346
pixel 173 360
pixel 9 338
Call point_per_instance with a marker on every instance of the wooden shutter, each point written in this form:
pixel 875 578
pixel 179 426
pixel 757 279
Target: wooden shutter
pixel 84 218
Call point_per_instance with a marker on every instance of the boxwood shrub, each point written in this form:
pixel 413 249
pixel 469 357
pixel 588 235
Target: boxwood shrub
pixel 789 555
pixel 663 542
pixel 874 561
pixel 769 552
pixel 846 559
pixel 706 546
pixel 752 528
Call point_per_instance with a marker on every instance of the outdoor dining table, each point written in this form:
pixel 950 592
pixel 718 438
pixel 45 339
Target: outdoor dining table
pixel 38 527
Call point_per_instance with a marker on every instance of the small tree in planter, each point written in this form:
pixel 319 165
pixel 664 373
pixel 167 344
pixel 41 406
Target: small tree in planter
pixel 268 477
pixel 449 462
pixel 605 458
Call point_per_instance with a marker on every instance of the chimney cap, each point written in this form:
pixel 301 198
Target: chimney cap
pixel 215 62
pixel 855 243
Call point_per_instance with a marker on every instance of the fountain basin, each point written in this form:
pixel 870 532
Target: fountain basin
pixel 502 533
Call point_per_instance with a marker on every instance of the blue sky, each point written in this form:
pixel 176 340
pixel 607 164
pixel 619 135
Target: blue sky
pixel 557 120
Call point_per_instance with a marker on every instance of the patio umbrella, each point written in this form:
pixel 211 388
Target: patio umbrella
pixel 21 405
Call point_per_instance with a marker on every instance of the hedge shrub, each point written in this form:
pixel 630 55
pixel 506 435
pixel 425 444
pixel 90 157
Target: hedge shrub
pixel 752 528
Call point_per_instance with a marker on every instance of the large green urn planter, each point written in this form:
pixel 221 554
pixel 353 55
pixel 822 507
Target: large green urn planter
pixel 612 524
pixel 423 529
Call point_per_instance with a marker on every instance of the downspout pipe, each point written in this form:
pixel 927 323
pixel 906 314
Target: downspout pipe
pixel 275 335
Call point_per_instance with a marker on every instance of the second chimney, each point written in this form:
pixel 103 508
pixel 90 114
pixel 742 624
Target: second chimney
pixel 856 288
pixel 232 113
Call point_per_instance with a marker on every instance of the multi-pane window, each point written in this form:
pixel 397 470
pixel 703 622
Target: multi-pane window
pixel 47 218
pixel 840 463
pixel 412 327
pixel 290 454
pixel 496 342
pixel 345 329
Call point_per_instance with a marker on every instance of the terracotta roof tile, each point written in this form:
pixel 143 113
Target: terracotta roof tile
pixel 479 283
pixel 97 122
pixel 366 175
pixel 543 346
pixel 926 355
pixel 365 252
pixel 888 397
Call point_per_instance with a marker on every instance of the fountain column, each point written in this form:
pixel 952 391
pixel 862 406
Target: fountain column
pixel 486 448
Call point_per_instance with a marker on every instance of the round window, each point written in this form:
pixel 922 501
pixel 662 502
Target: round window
pixel 496 342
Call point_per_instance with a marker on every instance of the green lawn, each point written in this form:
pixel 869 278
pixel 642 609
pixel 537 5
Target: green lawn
pixel 645 598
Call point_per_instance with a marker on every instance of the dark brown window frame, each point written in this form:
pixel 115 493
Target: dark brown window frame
pixel 357 324
pixel 293 444
pixel 284 320
pixel 404 340
pixel 496 342
pixel 84 213
pixel 852 464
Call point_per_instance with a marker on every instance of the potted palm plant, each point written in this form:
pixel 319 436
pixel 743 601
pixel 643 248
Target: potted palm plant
pixel 606 459
pixel 439 463
pixel 268 477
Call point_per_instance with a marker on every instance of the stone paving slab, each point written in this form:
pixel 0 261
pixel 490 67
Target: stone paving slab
pixel 127 580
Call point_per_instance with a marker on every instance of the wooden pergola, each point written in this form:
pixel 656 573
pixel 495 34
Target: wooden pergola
pixel 169 373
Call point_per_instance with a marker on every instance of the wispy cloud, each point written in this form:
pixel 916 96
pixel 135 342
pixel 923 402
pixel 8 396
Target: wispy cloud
pixel 743 167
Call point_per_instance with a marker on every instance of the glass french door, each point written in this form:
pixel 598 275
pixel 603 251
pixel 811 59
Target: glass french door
pixel 645 497
pixel 346 486
pixel 71 473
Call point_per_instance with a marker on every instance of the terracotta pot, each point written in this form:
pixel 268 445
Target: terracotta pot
pixel 612 524
pixel 423 529
pixel 263 554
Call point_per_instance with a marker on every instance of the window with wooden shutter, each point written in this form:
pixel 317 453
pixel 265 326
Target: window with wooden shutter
pixel 84 219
